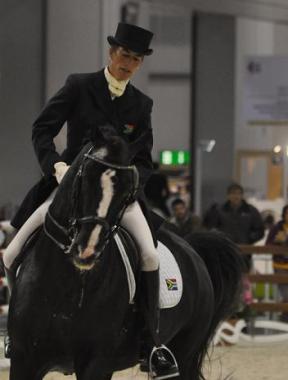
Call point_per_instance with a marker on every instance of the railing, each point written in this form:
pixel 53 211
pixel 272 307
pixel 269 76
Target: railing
pixel 276 278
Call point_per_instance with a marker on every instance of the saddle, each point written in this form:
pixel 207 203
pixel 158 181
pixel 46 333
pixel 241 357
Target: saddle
pixel 170 279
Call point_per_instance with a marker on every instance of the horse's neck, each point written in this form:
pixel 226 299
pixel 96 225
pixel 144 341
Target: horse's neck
pixel 62 205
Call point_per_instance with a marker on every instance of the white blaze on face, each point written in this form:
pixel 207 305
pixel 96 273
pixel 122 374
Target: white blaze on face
pixel 101 153
pixel 107 191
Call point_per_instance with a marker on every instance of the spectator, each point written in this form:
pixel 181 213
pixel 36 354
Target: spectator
pixel 239 220
pixel 279 235
pixel 183 221
pixel 268 221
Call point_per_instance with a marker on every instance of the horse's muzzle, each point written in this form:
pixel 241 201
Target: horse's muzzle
pixel 85 263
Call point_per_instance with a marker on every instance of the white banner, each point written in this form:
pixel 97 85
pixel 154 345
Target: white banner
pixel 265 91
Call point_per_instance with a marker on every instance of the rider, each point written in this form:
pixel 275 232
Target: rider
pixel 86 102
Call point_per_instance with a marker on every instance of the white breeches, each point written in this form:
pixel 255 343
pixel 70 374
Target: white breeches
pixel 133 220
pixel 31 224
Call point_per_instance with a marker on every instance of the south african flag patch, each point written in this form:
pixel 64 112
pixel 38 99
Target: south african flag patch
pixel 128 129
pixel 171 283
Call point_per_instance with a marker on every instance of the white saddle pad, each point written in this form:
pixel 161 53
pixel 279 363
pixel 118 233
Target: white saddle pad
pixel 171 284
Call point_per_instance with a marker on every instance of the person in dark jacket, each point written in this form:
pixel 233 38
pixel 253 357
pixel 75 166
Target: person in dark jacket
pixel 183 222
pixel 239 220
pixel 278 235
pixel 88 102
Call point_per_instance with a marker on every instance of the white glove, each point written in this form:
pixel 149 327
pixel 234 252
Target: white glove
pixel 60 170
pixel 6 226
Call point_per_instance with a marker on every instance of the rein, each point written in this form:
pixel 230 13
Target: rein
pixel 70 233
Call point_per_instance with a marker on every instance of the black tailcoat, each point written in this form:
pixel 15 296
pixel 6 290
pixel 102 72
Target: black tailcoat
pixel 85 103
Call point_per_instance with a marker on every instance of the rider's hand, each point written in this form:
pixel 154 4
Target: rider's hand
pixel 60 170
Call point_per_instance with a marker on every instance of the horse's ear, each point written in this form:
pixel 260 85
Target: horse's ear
pixel 100 134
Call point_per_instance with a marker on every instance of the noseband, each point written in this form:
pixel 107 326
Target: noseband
pixel 70 232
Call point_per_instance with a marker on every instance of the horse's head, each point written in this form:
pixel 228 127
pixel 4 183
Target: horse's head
pixel 100 192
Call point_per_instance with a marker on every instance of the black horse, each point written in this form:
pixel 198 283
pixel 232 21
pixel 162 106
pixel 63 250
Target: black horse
pixel 70 310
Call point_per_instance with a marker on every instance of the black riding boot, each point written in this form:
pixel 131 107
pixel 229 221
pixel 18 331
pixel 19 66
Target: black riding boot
pixel 161 363
pixel 10 277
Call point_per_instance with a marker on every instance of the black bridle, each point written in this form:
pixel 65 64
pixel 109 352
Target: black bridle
pixel 69 234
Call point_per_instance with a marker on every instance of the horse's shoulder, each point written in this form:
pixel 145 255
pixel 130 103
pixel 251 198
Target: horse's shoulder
pixel 28 247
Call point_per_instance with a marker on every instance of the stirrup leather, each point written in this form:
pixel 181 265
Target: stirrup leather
pixel 156 376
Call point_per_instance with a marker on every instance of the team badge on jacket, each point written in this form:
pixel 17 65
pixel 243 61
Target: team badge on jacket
pixel 128 128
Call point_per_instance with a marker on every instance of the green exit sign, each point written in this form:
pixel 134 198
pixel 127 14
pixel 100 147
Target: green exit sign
pixel 174 157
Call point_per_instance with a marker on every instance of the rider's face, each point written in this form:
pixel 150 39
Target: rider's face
pixel 124 63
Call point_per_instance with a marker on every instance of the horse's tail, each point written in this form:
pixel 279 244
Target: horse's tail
pixel 225 266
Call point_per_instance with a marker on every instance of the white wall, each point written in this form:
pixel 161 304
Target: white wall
pixel 276 10
pixel 280 135
pixel 73 40
pixel 169 81
pixel 171 114
pixel 252 38
pixel 73 44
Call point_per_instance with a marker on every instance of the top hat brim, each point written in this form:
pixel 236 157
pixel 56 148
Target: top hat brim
pixel 114 41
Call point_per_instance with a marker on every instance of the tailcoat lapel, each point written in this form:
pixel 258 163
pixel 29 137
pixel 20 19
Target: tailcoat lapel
pixel 127 100
pixel 101 96
pixel 116 110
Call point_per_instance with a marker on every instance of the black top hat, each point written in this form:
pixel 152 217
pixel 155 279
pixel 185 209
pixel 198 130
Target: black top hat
pixel 133 38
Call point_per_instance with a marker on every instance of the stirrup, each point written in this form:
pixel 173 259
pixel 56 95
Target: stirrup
pixel 7 347
pixel 172 372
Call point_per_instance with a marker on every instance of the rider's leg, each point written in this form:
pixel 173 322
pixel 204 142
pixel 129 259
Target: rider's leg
pixel 14 248
pixel 135 222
